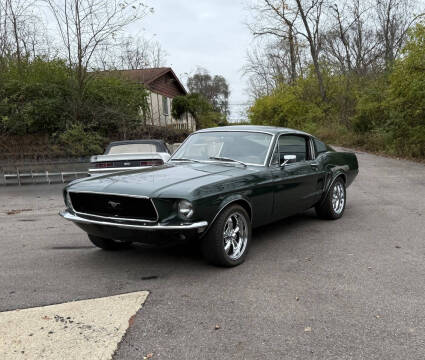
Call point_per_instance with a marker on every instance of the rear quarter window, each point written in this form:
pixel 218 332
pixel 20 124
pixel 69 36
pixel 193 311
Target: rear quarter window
pixel 320 147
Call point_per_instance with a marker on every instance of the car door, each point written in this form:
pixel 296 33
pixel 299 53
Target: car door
pixel 296 182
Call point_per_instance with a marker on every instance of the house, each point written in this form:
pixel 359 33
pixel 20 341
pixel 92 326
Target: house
pixel 163 86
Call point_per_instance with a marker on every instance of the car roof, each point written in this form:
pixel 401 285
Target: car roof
pixel 256 128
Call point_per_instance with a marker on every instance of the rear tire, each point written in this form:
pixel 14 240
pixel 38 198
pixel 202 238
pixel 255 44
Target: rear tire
pixel 227 241
pixel 333 206
pixel 109 244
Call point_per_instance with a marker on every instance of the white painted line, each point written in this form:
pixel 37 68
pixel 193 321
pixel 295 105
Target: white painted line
pixel 80 330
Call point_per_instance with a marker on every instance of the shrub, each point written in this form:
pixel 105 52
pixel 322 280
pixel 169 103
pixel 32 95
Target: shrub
pixel 79 142
pixel 199 107
pixel 382 112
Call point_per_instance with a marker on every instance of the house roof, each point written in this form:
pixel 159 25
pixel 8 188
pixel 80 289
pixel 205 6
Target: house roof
pixel 150 77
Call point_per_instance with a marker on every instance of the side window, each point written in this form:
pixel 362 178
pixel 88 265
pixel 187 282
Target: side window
pixel 165 105
pixel 294 145
pixel 320 147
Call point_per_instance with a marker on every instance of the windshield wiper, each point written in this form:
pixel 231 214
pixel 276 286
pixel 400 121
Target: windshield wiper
pixel 185 159
pixel 226 159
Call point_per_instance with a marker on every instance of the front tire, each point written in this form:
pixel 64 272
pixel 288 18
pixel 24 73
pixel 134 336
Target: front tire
pixel 108 244
pixel 333 206
pixel 228 239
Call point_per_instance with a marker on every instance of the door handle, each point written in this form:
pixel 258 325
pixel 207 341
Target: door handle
pixel 314 165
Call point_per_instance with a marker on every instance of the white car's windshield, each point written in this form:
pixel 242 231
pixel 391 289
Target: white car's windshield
pixel 238 146
pixel 132 148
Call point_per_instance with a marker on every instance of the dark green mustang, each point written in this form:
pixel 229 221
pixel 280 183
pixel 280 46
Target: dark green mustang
pixel 217 186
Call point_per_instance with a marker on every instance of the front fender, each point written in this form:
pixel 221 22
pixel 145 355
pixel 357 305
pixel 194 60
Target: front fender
pixel 232 198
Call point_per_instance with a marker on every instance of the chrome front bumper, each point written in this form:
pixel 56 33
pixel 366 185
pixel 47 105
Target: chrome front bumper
pixel 77 219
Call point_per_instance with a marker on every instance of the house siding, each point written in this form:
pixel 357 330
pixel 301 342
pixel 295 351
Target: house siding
pixel 157 116
pixel 166 85
pixel 161 82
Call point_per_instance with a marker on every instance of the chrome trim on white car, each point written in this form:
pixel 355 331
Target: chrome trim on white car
pixel 77 219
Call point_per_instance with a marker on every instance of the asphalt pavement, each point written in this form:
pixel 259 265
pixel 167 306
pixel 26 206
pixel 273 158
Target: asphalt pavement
pixel 310 289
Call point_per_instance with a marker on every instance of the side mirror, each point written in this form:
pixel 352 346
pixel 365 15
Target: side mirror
pixel 288 159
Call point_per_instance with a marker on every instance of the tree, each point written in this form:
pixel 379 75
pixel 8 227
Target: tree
pixel 4 40
pixel 85 26
pixel 354 33
pixel 22 33
pixel 35 98
pixel 394 18
pixel 294 21
pixel 311 15
pixel 275 18
pixel 200 108
pixel 140 53
pixel 407 96
pixel 213 88
pixel 134 53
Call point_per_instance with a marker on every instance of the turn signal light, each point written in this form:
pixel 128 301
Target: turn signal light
pixel 103 165
pixel 151 162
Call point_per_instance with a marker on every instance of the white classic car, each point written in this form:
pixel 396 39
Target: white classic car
pixel 129 155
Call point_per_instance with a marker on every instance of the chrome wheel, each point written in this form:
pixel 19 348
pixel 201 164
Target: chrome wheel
pixel 235 235
pixel 338 198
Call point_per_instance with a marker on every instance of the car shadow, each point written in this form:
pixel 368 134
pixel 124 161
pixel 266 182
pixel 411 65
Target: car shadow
pixel 299 221
pixel 187 255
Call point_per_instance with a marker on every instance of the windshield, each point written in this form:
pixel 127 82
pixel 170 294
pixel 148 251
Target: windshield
pixel 132 148
pixel 247 147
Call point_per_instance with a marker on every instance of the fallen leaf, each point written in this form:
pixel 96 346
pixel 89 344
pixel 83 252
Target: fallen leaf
pixel 131 321
pixel 307 329
pixel 148 356
pixel 16 211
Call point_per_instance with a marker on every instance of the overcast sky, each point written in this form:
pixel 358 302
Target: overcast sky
pixel 204 33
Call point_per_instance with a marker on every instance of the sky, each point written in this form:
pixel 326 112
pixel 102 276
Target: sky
pixel 204 33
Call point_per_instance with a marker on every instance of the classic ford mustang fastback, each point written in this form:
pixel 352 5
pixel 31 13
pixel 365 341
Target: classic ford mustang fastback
pixel 217 186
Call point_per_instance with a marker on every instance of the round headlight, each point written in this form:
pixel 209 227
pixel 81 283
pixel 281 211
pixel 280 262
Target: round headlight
pixel 185 209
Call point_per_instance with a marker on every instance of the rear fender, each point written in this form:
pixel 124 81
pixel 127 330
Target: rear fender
pixel 336 172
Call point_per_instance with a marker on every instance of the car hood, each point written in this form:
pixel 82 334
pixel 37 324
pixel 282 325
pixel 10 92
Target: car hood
pixel 173 180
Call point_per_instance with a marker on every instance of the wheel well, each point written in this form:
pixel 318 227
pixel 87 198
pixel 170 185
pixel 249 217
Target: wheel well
pixel 245 205
pixel 343 177
pixel 241 202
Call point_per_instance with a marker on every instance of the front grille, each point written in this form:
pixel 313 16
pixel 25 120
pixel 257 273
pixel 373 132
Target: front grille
pixel 116 206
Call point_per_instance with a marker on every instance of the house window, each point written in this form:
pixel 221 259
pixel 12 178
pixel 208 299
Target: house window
pixel 165 105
